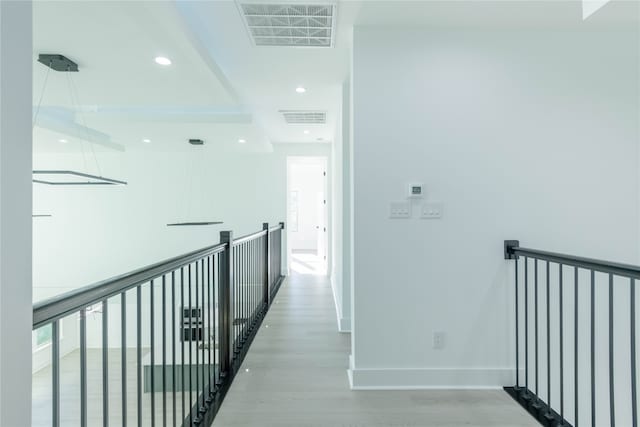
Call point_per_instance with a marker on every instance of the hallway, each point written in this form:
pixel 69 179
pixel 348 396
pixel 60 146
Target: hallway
pixel 295 375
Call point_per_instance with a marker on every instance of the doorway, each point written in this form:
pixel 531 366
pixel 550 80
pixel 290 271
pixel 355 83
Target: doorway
pixel 307 215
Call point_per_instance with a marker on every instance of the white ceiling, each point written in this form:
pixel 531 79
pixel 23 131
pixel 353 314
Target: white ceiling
pixel 221 87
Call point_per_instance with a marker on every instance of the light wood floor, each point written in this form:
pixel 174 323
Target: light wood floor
pixel 297 377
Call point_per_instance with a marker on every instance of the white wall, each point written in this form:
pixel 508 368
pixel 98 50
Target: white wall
pixel 15 213
pixel 341 214
pixel 521 135
pixel 347 203
pixel 97 233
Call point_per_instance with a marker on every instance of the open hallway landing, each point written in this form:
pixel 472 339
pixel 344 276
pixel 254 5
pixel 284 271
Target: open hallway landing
pixel 295 375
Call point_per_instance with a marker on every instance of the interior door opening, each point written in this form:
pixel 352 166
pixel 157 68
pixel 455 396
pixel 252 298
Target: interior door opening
pixel 307 215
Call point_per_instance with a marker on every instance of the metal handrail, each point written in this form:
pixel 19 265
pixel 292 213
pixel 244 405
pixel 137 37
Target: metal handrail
pixel 257 234
pixel 625 270
pixel 248 237
pixel 562 289
pixel 69 302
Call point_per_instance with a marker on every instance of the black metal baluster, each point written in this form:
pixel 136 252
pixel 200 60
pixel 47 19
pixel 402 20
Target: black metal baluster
pixel 242 284
pixel 593 350
pixel 173 344
pixel 254 279
pixel 197 342
pixel 83 367
pixel 139 352
pixel 153 361
pixel 535 266
pixel 517 330
pixel 526 325
pixel 215 306
pixel 55 373
pixel 250 285
pixel 123 337
pixel 632 316
pixel 105 363
pixel 190 348
pixel 164 350
pixel 256 270
pixel 561 363
pixel 202 339
pixel 209 330
pixel 548 304
pixel 182 339
pixel 575 344
pixel 612 409
pixel 243 293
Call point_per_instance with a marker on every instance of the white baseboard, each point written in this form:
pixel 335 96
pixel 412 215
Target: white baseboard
pixel 430 378
pixel 344 325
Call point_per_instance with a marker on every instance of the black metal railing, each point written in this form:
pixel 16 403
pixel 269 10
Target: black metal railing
pixel 575 338
pixel 183 327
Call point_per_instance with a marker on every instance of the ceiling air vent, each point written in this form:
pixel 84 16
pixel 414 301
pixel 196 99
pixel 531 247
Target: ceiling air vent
pixel 305 117
pixel 298 25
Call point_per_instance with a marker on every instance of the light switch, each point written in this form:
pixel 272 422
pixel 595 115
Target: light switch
pixel 431 211
pixel 400 210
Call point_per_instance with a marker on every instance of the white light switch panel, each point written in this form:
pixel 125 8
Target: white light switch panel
pixel 431 211
pixel 400 210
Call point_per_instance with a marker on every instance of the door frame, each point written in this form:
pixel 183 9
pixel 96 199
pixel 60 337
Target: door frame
pixel 323 161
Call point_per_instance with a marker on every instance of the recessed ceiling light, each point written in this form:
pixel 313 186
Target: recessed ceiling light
pixel 300 89
pixel 306 132
pixel 146 140
pixel 64 141
pixel 163 60
pixel 242 141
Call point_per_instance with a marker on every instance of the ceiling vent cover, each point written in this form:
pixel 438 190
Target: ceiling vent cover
pixel 305 117
pixel 298 25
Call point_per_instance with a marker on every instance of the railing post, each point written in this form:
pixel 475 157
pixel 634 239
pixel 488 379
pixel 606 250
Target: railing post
pixel 280 252
pixel 267 265
pixel 509 246
pixel 509 254
pixel 225 310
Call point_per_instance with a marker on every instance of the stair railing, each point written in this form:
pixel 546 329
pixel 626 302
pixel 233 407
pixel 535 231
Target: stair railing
pixel 575 338
pixel 183 327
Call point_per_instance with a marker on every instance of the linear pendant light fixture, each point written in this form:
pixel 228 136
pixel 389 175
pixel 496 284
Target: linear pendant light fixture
pixel 61 63
pixel 67 177
pixel 182 224
pixel 198 143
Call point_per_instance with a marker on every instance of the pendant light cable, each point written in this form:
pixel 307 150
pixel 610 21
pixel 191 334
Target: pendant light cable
pixel 73 105
pixel 44 86
pixel 74 93
pixel 84 123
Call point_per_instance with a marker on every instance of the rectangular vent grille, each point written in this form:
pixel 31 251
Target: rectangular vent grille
pixel 290 24
pixel 305 117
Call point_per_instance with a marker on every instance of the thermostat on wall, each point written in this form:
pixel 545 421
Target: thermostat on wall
pixel 415 190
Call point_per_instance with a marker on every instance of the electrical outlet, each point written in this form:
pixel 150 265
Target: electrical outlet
pixel 400 210
pixel 438 340
pixel 431 211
